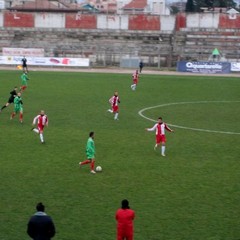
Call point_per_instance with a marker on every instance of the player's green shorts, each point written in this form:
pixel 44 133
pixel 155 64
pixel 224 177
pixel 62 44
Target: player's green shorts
pixel 90 156
pixel 18 109
pixel 24 82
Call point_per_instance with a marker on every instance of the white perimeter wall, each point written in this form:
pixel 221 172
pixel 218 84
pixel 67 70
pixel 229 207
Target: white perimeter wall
pixel 121 22
pixel 200 20
pixel 49 20
pixel 1 19
pixel 167 23
pixel 112 22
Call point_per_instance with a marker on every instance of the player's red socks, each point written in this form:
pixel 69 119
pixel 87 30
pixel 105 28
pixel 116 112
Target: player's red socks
pixel 21 117
pixel 85 162
pixel 89 161
pixel 92 165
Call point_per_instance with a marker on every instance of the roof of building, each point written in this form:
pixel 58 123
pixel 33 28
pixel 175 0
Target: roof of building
pixel 58 6
pixel 232 11
pixel 136 4
pixel 46 5
pixel 43 4
pixel 90 8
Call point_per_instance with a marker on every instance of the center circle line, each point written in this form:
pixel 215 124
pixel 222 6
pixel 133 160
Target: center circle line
pixel 182 127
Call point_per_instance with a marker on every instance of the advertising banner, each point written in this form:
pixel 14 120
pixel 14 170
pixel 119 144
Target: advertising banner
pixel 27 52
pixel 204 67
pixel 46 61
pixel 235 66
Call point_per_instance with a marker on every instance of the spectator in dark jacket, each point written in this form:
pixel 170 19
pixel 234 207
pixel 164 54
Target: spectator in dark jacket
pixel 40 225
pixel 141 66
pixel 24 64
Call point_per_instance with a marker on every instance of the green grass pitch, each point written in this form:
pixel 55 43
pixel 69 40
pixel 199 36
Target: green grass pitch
pixel 191 194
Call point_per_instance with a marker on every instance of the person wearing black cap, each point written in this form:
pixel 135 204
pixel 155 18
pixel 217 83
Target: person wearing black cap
pixel 125 217
pixel 40 225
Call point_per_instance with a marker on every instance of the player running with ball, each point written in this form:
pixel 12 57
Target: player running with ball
pixel 90 152
pixel 160 128
pixel 42 121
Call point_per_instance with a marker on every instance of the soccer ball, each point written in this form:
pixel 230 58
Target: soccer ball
pixel 98 168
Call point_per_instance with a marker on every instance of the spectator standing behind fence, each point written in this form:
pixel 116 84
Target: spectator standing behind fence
pixel 141 66
pixel 24 64
pixel 125 217
pixel 40 225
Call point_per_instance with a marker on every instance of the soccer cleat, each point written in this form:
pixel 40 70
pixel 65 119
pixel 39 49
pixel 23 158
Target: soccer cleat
pixel 80 165
pixel 155 147
pixel 32 129
pixel 92 171
pixel 163 154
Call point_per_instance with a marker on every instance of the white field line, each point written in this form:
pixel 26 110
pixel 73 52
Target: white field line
pixel 182 127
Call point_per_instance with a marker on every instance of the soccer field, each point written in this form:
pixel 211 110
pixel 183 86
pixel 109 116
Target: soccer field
pixel 191 194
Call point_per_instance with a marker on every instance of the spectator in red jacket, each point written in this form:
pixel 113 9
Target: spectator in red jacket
pixel 125 217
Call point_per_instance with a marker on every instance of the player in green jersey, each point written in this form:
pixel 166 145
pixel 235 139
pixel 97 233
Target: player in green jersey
pixel 24 78
pixel 18 107
pixel 90 152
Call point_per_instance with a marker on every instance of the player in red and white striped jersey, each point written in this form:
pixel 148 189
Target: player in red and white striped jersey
pixel 135 78
pixel 160 128
pixel 114 101
pixel 42 121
